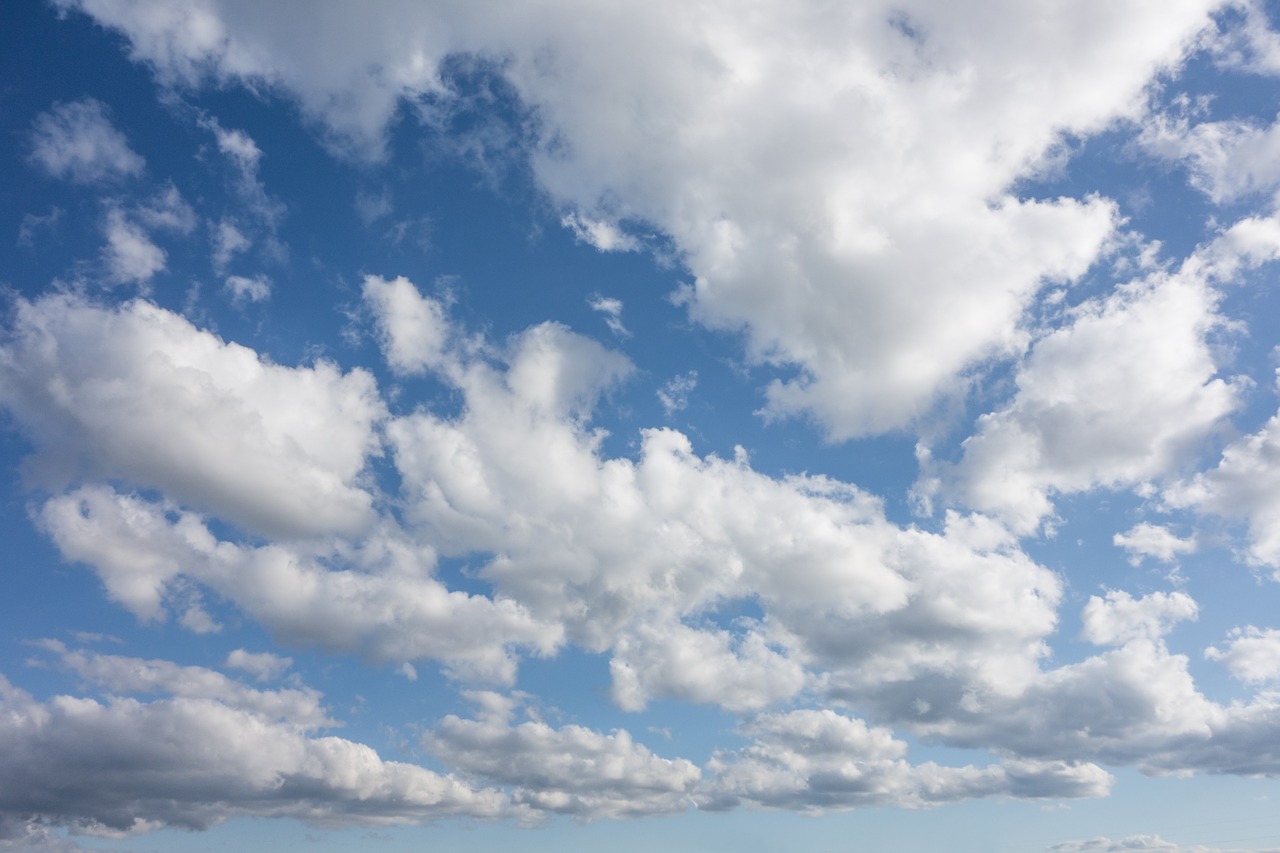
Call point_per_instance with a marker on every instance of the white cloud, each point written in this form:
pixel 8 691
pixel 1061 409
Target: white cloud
pixel 299 707
pixel 874 179
pixel 602 234
pixel 1244 484
pixel 167 210
pixel 228 241
pixel 1153 540
pixel 1126 392
pixel 633 556
pixel 1253 654
pixel 569 770
pixel 129 255
pixel 819 761
pixel 244 289
pixel 125 766
pixel 77 142
pixel 138 393
pixel 1119 617
pixel 379 599
pixel 412 328
pixel 265 666
pixel 674 393
pixel 612 310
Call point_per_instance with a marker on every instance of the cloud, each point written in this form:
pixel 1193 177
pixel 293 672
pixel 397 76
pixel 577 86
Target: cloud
pixel 1119 617
pixel 122 766
pixel 602 234
pixel 570 770
pixel 228 241
pixel 146 397
pixel 124 675
pixel 1244 484
pixel 243 289
pixel 77 142
pixel 378 599
pixel 875 181
pixel 265 666
pixel 413 329
pixel 1153 540
pixel 1124 393
pixel 130 256
pixel 674 393
pixel 612 311
pixel 819 761
pixel 33 225
pixel 1252 656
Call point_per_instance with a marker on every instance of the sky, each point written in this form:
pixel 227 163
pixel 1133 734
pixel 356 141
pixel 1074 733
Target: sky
pixel 762 426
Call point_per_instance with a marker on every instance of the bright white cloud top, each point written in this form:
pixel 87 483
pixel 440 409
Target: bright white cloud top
pixel 690 425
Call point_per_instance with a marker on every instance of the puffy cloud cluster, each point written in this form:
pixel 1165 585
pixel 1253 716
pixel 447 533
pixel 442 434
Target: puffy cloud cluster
pixel 866 239
pixel 1244 484
pixel 138 393
pixel 570 770
pixel 1126 392
pixel 862 234
pixel 196 757
pixel 816 761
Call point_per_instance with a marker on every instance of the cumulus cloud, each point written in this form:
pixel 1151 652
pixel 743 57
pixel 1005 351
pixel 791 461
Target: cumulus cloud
pixel 125 675
pixel 383 601
pixel 1119 617
pixel 123 766
pixel 77 142
pixel 881 160
pixel 1253 654
pixel 130 256
pixel 163 404
pixel 818 761
pixel 1244 484
pixel 1153 540
pixel 1124 393
pixel 570 770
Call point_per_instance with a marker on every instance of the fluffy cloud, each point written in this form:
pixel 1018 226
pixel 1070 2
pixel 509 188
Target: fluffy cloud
pixel 875 253
pixel 1153 540
pixel 637 557
pixel 1125 392
pixel 1253 654
pixel 138 393
pixel 382 602
pixel 569 770
pixel 122 765
pixel 129 256
pixel 1244 484
pixel 819 761
pixel 77 142
pixel 1119 617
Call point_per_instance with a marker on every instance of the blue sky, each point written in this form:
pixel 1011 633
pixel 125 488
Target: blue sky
pixel 612 426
